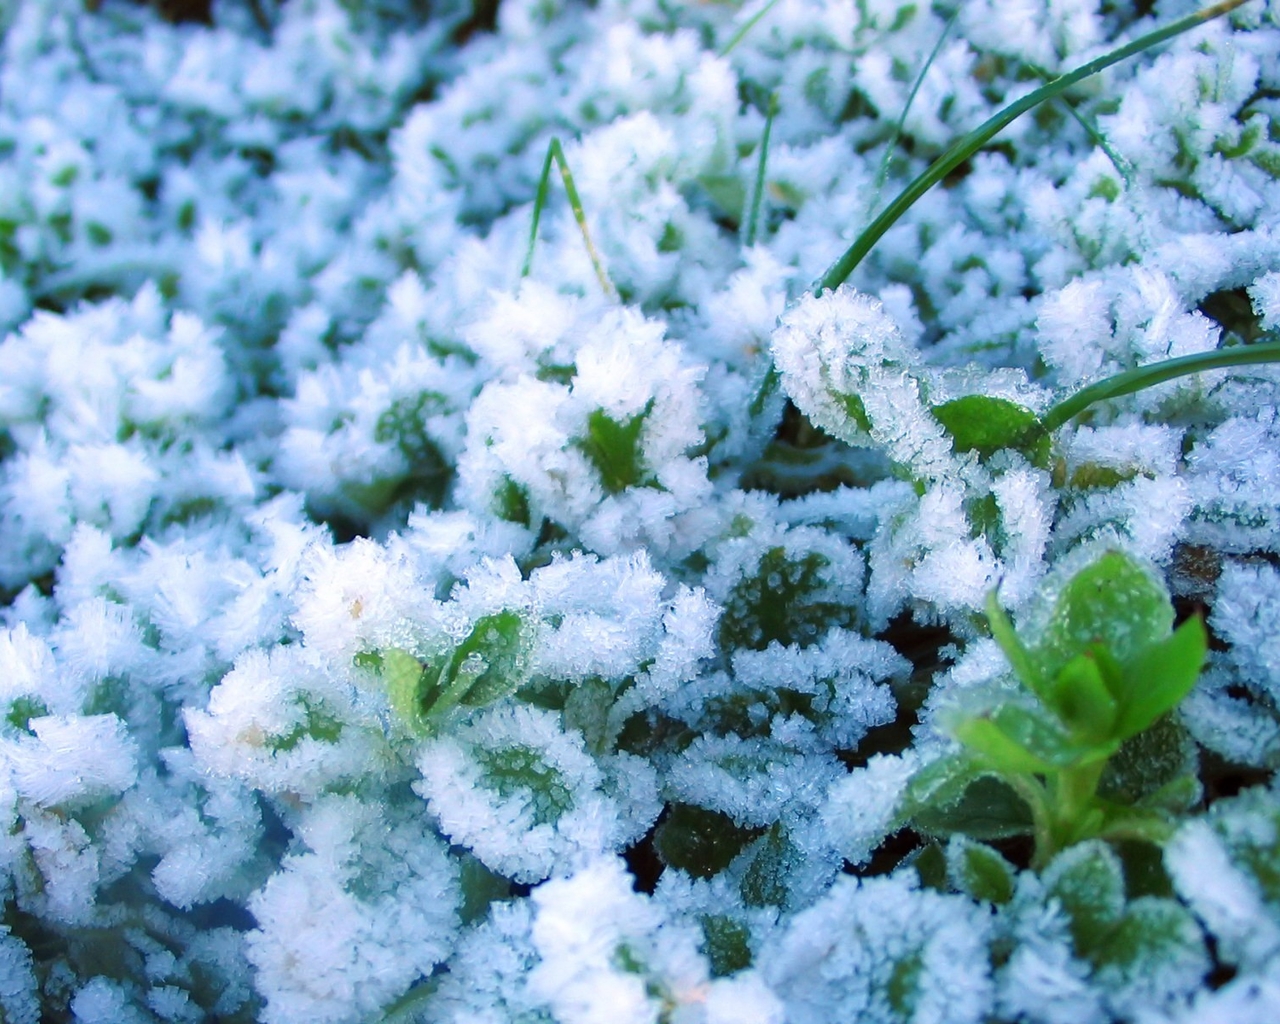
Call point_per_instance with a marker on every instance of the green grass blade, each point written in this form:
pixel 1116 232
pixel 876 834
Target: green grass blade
pixel 1157 373
pixel 882 173
pixel 1123 167
pixel 751 23
pixel 556 152
pixel 753 220
pixel 539 201
pixel 967 145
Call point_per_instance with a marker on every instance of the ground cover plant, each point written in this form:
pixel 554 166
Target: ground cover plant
pixel 504 516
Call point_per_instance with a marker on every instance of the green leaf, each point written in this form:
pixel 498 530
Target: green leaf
pixel 988 808
pixel 408 689
pixel 726 943
pixel 494 658
pixel 699 841
pixel 1025 667
pixel 1114 603
pixel 1088 881
pixel 614 448
pixel 1081 697
pixel 985 424
pixel 941 784
pixel 1160 675
pixel 1152 934
pixel 524 771
pixel 998 748
pixel 979 871
pixel 1023 738
pixel 492 662
pixel 1157 757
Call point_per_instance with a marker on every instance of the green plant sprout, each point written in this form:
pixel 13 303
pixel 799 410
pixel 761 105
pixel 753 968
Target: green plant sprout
pixel 1105 668
pixel 489 664
pixel 556 152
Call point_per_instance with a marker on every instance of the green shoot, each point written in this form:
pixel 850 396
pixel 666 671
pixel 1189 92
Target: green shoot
pixel 1106 667
pixel 747 26
pixel 556 152
pixel 985 425
pixel 1123 167
pixel 1157 373
pixel 964 147
pixel 753 220
pixel 882 173
pixel 490 663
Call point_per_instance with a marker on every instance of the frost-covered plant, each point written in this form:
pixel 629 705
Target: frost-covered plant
pixel 1097 673
pixel 395 628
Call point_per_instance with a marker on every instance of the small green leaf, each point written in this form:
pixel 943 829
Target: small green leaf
pixel 1025 667
pixel 1114 603
pixel 1081 697
pixel 726 943
pixel 1088 881
pixel 1160 675
pixel 979 871
pixel 494 657
pixel 1152 934
pixel 941 784
pixel 985 425
pixel 408 691
pixel 1024 738
pixel 988 808
pixel 614 448
pixel 524 771
pixel 492 662
pixel 699 841
pixel 998 748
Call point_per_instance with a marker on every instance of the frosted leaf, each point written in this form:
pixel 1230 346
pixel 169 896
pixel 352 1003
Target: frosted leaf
pixel 18 992
pixel 862 808
pixel 520 793
pixel 1242 730
pixel 752 780
pixel 102 1001
pixel 347 926
pixel 486 982
pixel 1219 865
pixel 1246 614
pixel 72 760
pixel 830 349
pixel 1234 481
pixel 607 952
pixel 361 597
pixel 1265 292
pixel 62 880
pixel 882 950
pixel 280 723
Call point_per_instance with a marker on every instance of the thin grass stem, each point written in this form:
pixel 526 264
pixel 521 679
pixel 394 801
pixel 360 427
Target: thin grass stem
pixel 882 173
pixel 753 220
pixel 555 152
pixel 747 26
pixel 964 147
pixel 1157 373
pixel 1123 167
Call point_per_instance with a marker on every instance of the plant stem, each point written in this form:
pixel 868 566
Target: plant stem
pixel 753 221
pixel 556 152
pixel 1157 373
pixel 964 147
pixel 742 32
pixel 882 173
